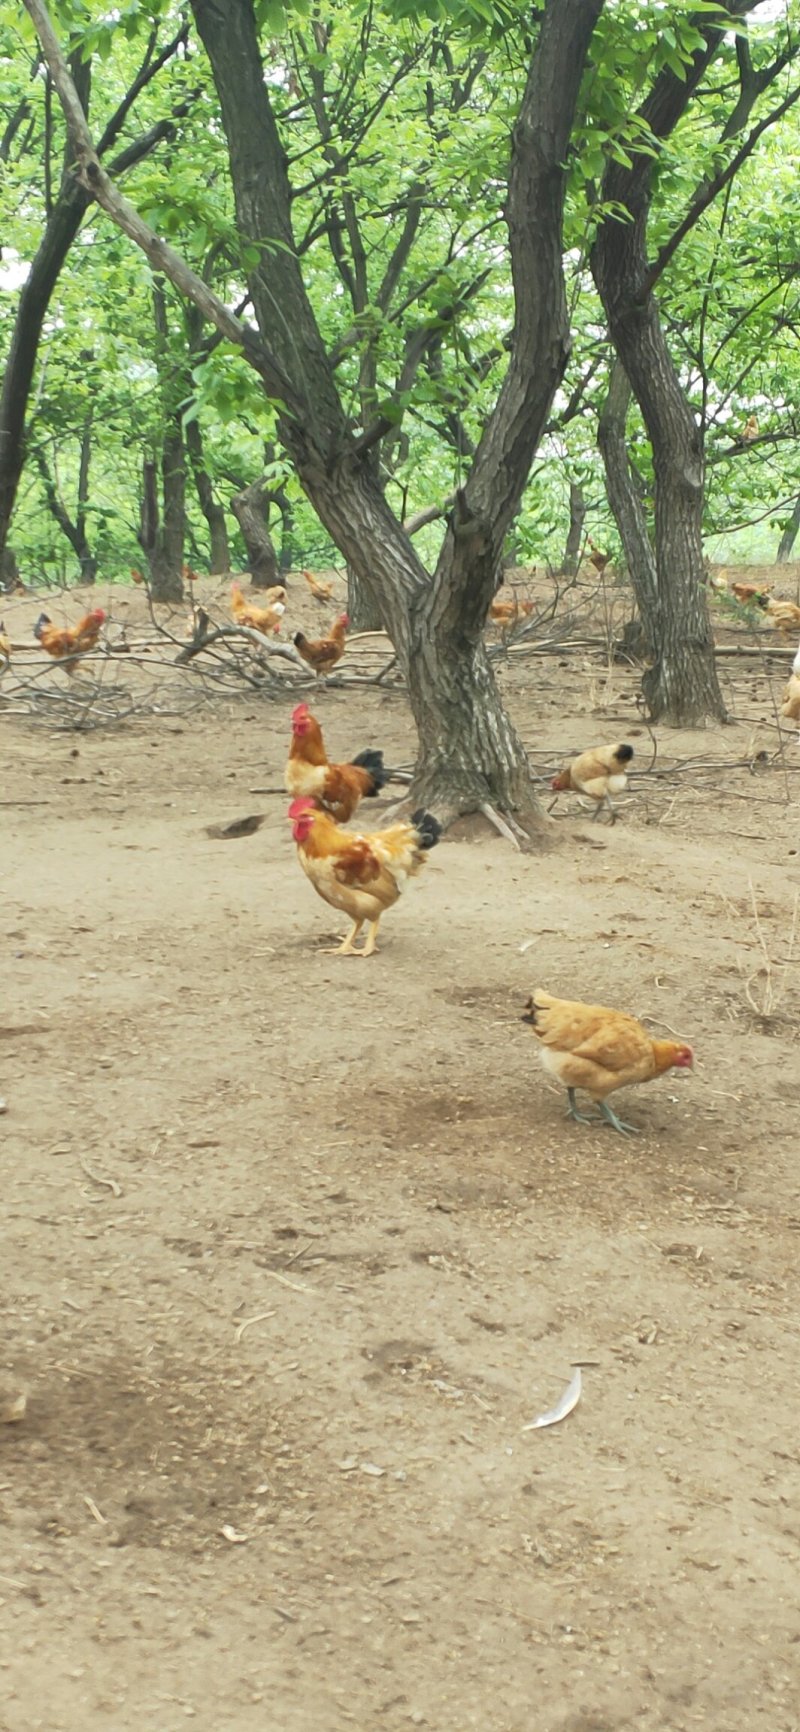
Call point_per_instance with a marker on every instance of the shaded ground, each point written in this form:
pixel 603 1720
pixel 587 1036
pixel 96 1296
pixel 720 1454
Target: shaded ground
pixel 293 1248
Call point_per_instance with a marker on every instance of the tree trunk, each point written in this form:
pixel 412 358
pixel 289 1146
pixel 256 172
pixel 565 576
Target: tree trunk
pixel 212 511
pixel 362 604
pixel 681 686
pixel 577 519
pixel 251 510
pixel 9 570
pixel 438 620
pixel 163 544
pixel 75 532
pixel 470 755
pixel 626 503
pixel 62 225
pixel 789 535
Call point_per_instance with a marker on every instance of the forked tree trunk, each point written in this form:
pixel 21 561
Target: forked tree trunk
pixel 63 223
pixel 469 753
pixel 577 519
pixel 213 512
pixel 162 544
pixel 681 686
pixel 251 510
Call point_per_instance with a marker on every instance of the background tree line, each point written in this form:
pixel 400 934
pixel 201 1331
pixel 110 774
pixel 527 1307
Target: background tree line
pixel 451 282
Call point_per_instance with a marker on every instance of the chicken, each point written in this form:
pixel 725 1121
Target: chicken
pixel 5 647
pixel 506 613
pixel 749 431
pixel 267 620
pixel 749 592
pixel 338 788
pixel 596 558
pixel 785 615
pixel 137 576
pixel 188 575
pixel 600 772
pixel 790 708
pixel 361 874
pixel 320 591
pixel 598 1050
pixel 65 643
pixel 323 653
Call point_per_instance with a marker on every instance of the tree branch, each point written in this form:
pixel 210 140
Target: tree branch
pixel 94 179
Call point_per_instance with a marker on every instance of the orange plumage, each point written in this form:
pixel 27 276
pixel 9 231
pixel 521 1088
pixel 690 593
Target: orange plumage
pixel 323 653
pixel 589 1047
pixel 339 788
pixel 785 615
pixel 267 620
pixel 747 592
pixel 136 575
pixel 600 772
pixel 67 642
pixel 363 875
pixel 5 647
pixel 790 708
pixel 507 613
pixel 320 591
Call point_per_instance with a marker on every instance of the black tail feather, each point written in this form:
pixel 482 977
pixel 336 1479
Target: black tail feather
pixel 623 754
pixel 373 762
pixel 428 828
pixel 44 619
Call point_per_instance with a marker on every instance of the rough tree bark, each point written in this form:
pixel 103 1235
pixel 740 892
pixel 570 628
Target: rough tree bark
pixel 161 540
pixel 213 512
pixel 626 504
pixel 577 519
pixel 681 686
pixel 789 535
pixel 362 605
pixel 436 622
pixel 251 510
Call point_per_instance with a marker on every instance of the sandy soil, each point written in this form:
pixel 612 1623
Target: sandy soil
pixel 293 1248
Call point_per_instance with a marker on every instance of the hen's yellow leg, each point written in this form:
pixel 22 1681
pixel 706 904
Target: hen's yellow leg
pixel 371 945
pixel 347 946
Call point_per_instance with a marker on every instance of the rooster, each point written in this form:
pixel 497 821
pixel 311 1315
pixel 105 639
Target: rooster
pixel 267 620
pixel 362 875
pixel 600 772
pixel 320 591
pixel 5 647
pixel 323 653
pixel 137 576
pixel 65 643
pixel 339 788
pixel 598 1050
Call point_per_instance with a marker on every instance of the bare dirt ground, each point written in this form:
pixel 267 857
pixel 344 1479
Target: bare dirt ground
pixel 293 1249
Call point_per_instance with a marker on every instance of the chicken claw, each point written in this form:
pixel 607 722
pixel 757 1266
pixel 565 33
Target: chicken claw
pixel 572 1111
pixel 619 1124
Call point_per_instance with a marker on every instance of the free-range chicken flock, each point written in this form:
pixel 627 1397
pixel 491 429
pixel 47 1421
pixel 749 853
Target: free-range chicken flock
pixel 586 1046
pixel 363 873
